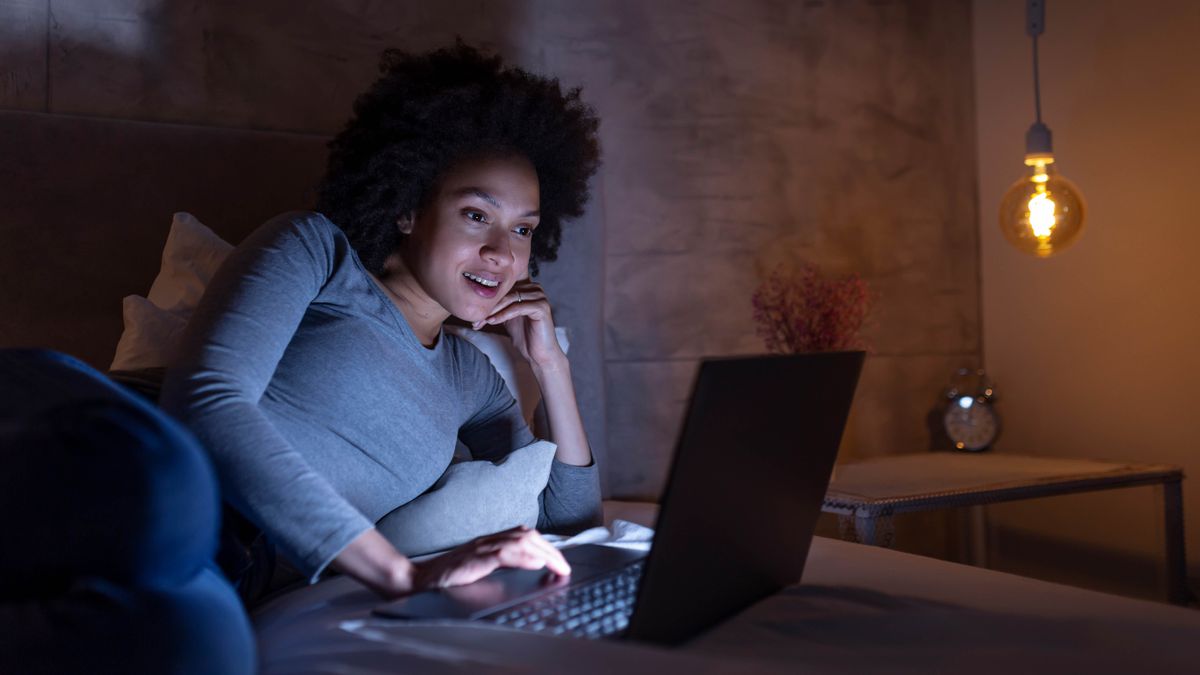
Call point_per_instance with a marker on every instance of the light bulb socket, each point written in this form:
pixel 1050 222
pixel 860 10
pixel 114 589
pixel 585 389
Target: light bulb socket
pixel 1035 17
pixel 1039 142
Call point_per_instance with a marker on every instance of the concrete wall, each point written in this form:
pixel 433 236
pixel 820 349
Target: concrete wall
pixel 743 134
pixel 1095 351
pixel 736 135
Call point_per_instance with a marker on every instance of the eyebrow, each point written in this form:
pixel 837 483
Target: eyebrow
pixel 491 200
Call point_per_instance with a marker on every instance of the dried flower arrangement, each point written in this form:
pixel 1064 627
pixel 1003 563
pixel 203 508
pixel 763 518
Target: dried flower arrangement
pixel 802 310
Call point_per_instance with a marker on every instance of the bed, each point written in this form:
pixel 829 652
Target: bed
pixel 88 204
pixel 858 609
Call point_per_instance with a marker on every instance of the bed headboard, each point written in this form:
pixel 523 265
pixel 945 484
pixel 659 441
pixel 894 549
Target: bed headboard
pixel 86 203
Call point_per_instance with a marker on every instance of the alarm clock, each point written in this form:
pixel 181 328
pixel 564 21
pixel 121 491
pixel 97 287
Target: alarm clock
pixel 970 420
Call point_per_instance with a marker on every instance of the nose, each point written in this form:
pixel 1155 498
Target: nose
pixel 497 249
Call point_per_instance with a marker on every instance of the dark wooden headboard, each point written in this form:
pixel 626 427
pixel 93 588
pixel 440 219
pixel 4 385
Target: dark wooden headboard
pixel 86 203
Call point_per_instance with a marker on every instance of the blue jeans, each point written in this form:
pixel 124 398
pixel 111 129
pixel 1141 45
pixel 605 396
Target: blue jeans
pixel 109 516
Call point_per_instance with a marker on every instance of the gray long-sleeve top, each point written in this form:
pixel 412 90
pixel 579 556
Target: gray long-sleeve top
pixel 320 408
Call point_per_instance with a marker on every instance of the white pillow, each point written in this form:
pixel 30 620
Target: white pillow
pixel 470 500
pixel 150 336
pixel 192 256
pixel 154 324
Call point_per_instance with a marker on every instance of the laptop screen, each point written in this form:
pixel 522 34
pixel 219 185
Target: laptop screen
pixel 750 471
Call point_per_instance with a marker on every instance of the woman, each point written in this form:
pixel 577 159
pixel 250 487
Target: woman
pixel 315 370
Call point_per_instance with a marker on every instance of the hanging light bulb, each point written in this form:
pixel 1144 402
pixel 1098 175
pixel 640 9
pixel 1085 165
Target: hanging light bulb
pixel 1042 213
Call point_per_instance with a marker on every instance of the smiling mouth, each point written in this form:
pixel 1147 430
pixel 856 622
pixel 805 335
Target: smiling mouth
pixel 489 283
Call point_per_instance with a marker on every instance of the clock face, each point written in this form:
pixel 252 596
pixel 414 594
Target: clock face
pixel 971 423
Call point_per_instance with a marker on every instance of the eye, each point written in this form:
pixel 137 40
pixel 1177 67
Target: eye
pixel 477 216
pixel 524 231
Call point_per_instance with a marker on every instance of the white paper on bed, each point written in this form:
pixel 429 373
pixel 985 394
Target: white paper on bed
pixel 623 534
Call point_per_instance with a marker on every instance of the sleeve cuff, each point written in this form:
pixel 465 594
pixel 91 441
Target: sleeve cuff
pixel 320 557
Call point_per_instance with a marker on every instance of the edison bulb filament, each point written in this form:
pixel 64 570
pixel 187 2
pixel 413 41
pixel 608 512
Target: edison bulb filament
pixel 1042 213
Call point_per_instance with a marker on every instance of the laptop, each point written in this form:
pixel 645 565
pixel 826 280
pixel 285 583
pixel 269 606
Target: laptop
pixel 750 470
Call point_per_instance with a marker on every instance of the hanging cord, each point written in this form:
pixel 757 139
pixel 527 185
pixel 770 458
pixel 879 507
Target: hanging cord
pixel 1037 89
pixel 1038 139
pixel 1035 23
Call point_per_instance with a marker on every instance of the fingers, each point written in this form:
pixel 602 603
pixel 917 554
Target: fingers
pixel 544 550
pixel 534 310
pixel 520 547
pixel 527 548
pixel 555 561
pixel 527 294
pixel 521 558
pixel 464 565
pixel 522 293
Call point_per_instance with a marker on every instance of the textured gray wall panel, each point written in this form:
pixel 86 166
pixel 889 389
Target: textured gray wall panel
pixel 23 28
pixel 646 402
pixel 752 134
pixel 737 135
pixel 267 64
pixel 575 285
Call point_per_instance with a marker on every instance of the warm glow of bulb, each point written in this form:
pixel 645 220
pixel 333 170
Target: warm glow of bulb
pixel 1042 213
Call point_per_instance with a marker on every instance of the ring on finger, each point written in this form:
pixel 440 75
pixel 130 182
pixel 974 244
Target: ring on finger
pixel 519 298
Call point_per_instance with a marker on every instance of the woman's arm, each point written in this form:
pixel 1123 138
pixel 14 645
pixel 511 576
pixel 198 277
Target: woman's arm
pixel 562 411
pixel 233 345
pixel 571 500
pixel 526 314
pixel 231 350
pixel 377 565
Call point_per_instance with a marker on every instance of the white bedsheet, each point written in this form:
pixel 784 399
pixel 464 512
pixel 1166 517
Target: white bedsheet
pixel 859 609
pixel 328 628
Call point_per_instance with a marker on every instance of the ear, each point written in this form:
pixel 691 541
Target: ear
pixel 406 222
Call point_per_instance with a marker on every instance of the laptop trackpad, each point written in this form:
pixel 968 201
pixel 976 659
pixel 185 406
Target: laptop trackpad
pixel 508 586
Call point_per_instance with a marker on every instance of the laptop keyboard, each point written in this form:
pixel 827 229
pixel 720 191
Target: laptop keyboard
pixel 595 609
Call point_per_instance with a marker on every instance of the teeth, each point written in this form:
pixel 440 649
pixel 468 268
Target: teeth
pixel 478 279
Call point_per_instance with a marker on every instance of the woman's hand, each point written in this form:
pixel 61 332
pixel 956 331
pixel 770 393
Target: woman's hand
pixel 525 313
pixel 519 547
pixel 372 560
pixel 375 563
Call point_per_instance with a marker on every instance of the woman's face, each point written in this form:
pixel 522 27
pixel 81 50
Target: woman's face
pixel 471 243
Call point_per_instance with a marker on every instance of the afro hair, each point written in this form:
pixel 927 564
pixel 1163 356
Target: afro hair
pixel 430 111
